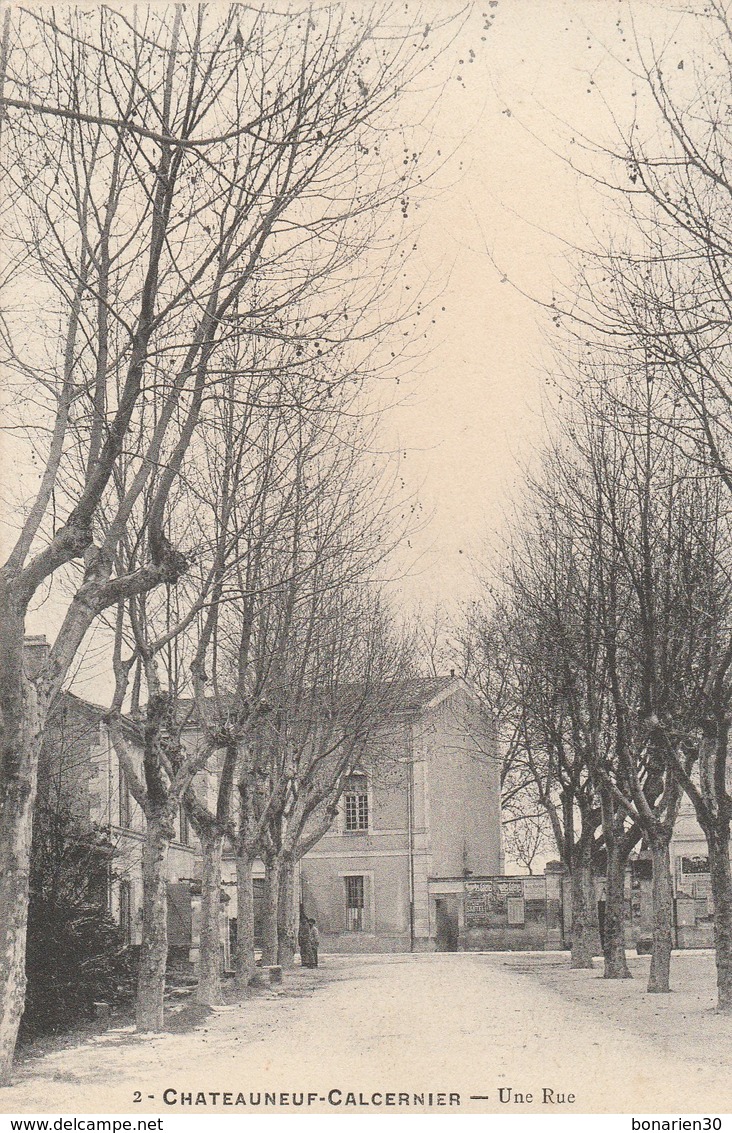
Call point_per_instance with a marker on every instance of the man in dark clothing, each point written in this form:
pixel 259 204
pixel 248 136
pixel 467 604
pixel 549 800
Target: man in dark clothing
pixel 303 940
pixel 314 942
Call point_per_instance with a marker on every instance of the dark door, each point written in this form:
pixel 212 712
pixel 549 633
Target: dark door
pixel 179 915
pixel 446 925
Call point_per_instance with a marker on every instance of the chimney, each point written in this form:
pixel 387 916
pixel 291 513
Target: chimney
pixel 452 672
pixel 35 653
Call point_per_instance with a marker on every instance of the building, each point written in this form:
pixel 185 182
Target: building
pixel 79 774
pixel 693 905
pixel 421 815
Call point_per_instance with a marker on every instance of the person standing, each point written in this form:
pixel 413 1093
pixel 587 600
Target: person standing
pixel 303 940
pixel 314 942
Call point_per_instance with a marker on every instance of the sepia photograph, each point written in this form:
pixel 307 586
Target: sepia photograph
pixel 365 560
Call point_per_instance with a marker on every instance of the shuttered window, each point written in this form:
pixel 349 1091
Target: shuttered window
pixel 354 903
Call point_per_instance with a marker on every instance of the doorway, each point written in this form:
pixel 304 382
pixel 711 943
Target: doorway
pixel 446 924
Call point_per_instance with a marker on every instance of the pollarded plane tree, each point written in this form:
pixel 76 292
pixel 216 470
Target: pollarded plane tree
pixel 661 520
pixel 491 663
pixel 157 163
pixel 662 290
pixel 605 613
pixel 515 661
pixel 559 710
pixel 316 629
pixel 348 695
pixel 600 630
pixel 312 519
pixel 250 637
pixel 235 485
pixel 646 531
pixel 249 622
pixel 486 660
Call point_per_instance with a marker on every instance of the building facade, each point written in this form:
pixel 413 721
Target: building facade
pixel 421 815
pixel 693 904
pixel 79 774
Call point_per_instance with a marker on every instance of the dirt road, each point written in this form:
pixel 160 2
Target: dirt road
pixel 507 1033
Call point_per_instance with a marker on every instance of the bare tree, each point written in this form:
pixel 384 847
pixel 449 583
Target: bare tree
pixel 660 292
pixel 527 832
pixel 526 645
pixel 663 523
pixel 228 492
pixel 352 691
pixel 172 177
pixel 633 540
pixel 316 634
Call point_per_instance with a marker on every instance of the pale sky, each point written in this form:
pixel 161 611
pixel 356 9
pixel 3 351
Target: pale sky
pixel 544 74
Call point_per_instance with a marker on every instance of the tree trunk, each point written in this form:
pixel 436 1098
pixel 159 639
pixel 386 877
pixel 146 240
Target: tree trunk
pixel 721 879
pixel 23 717
pixel 244 963
pixel 16 825
pixel 154 950
pixel 272 869
pixel 286 914
pixel 663 910
pixel 584 907
pixel 616 965
pixel 209 956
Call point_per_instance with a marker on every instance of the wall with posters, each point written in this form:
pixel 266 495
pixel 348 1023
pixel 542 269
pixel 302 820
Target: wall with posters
pixel 512 913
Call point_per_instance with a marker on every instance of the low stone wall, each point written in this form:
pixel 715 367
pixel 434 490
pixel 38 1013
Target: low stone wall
pixel 355 942
pixel 512 913
pixel 695 936
pixel 530 938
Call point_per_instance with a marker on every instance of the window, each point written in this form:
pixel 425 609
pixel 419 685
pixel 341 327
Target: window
pixel 259 910
pixel 98 884
pixel 357 804
pixel 354 904
pixel 125 909
pixel 183 826
pixel 124 800
pixel 697 864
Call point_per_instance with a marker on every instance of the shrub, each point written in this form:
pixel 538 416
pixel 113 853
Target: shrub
pixel 75 952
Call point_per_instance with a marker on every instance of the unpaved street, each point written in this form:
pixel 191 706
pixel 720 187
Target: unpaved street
pixel 367 1029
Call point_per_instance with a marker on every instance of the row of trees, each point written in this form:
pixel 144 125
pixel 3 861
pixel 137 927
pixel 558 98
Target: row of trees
pixel 259 709
pixel 608 644
pixel 609 631
pixel 202 212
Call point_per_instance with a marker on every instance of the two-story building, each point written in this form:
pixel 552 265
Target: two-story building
pixel 421 815
pixel 79 773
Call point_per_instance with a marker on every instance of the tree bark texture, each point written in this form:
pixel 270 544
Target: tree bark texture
pixel 721 878
pixel 23 716
pixel 584 907
pixel 272 870
pixel 663 912
pixel 244 959
pixel 16 827
pixel 287 916
pixel 616 965
pixel 209 955
pixel 154 950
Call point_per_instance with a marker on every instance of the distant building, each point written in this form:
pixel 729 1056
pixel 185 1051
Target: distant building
pixel 693 906
pixel 79 773
pixel 418 819
pixel 420 816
